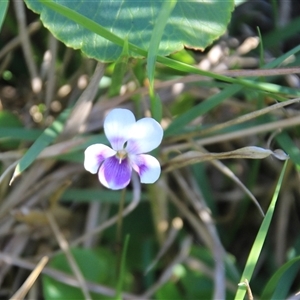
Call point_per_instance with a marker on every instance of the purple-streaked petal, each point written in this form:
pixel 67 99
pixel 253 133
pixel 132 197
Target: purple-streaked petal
pixel 146 166
pixel 115 175
pixel 94 155
pixel 146 135
pixel 117 127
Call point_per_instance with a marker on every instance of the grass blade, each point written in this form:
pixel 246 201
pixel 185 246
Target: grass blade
pixel 201 109
pixel 260 239
pixel 157 33
pixel 278 285
pixel 3 10
pixel 122 269
pixel 45 139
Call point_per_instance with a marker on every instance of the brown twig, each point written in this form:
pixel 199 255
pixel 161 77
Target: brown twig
pixel 15 42
pixel 168 272
pixel 261 72
pixel 71 260
pixel 23 290
pixel 133 204
pixel 36 82
pixel 62 277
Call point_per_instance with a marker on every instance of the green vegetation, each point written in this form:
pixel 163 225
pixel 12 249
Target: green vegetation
pixel 221 78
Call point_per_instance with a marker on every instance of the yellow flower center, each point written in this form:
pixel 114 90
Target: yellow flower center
pixel 121 154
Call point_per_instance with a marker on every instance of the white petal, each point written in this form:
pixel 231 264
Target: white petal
pixel 115 175
pixel 94 155
pixel 146 135
pixel 117 127
pixel 146 166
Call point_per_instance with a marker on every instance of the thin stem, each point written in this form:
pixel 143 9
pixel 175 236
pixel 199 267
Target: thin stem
pixel 63 277
pixel 135 201
pixel 120 217
pixel 69 256
pixel 36 82
pixel 23 290
pixel 254 130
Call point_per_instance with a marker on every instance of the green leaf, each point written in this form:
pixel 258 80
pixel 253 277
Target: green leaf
pixel 16 133
pixel 279 284
pixel 3 10
pixel 156 105
pixel 194 24
pixel 8 119
pixel 100 30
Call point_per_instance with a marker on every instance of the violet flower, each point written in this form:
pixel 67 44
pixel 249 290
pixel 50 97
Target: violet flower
pixel 129 140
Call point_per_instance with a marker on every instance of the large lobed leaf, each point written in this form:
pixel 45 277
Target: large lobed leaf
pixel 194 24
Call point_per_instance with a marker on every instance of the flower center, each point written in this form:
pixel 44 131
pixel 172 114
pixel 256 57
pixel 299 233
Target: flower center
pixel 121 154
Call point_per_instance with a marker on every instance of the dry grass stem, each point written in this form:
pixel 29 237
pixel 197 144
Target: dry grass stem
pixel 225 137
pixel 284 214
pixel 39 189
pixel 113 220
pixel 15 246
pixel 92 219
pixel 261 72
pixel 5 63
pixel 171 236
pixel 36 81
pixel 83 106
pixel 254 130
pixel 227 172
pixel 21 293
pixel 61 148
pixel 63 277
pixel 202 211
pixel 17 194
pixel 195 222
pixel 238 120
pixel 15 42
pixel 200 266
pixel 247 117
pixel 70 258
pixel 8 170
pixel 50 59
pixel 168 272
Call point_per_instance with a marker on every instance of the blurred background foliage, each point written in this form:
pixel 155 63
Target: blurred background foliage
pixel 190 234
